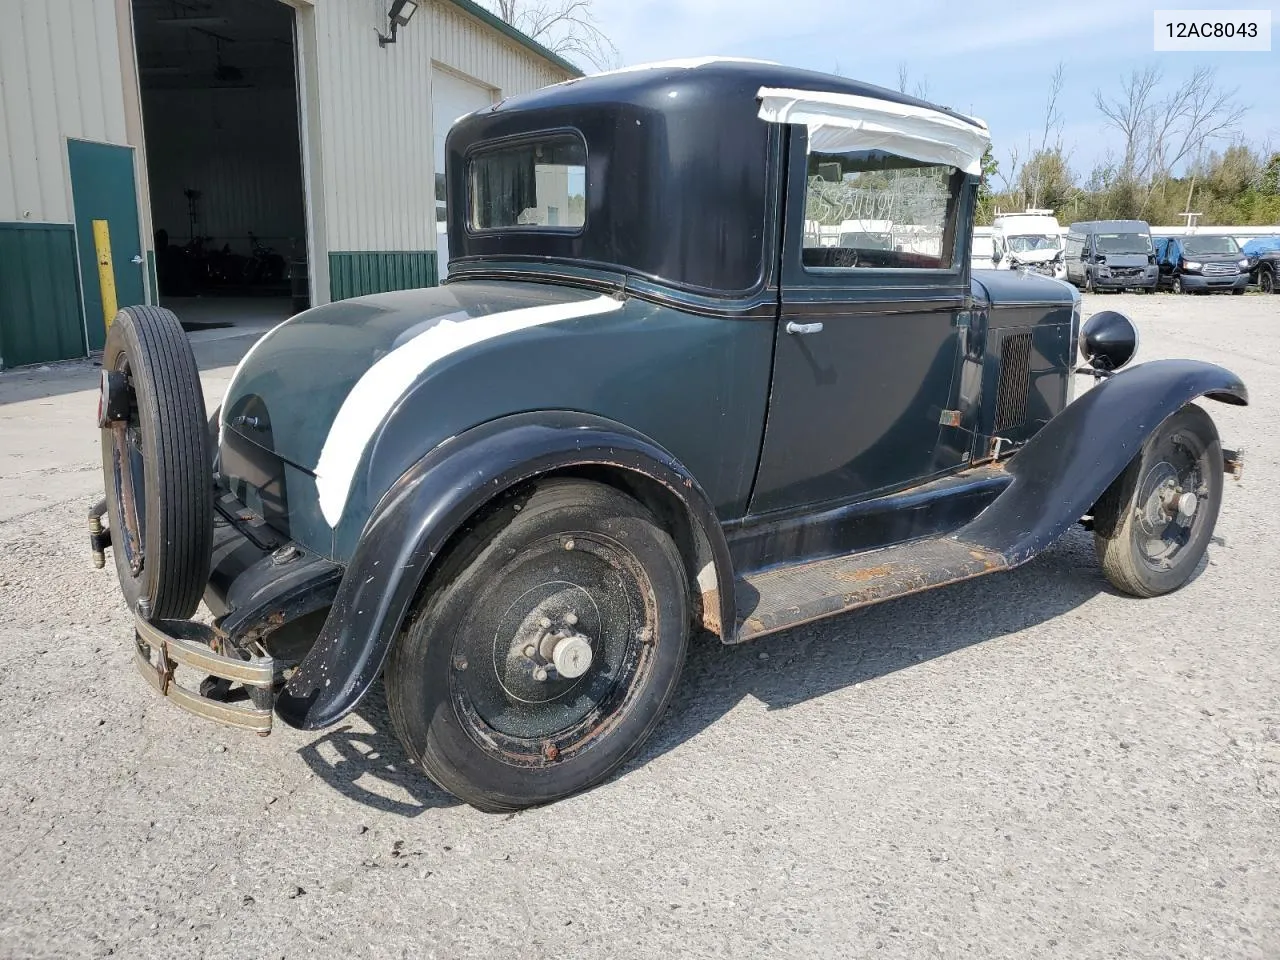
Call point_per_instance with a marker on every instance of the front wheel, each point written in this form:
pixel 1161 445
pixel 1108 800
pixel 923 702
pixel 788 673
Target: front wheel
pixel 546 647
pixel 1153 524
pixel 1267 281
pixel 1177 286
pixel 1088 283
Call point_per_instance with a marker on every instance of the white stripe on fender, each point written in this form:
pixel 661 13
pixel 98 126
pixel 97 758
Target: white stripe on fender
pixel 384 383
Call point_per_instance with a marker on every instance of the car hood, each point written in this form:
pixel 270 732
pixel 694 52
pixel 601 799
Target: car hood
pixel 1232 258
pixel 1035 256
pixel 995 287
pixel 295 382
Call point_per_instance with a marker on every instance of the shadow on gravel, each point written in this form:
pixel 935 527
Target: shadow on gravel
pixel 802 664
pixel 371 767
pixel 813 661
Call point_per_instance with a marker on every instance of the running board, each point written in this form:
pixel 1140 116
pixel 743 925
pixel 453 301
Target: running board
pixel 785 597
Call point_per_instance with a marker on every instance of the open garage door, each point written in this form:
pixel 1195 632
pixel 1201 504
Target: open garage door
pixel 452 97
pixel 224 165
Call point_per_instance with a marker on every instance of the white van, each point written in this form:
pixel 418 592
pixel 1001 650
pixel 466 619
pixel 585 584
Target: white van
pixel 1032 240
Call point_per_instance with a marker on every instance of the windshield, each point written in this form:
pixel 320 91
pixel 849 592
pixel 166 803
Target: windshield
pixel 1025 244
pixel 1124 243
pixel 1262 245
pixel 1202 246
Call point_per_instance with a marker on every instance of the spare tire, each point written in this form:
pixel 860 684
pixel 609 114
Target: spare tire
pixel 156 461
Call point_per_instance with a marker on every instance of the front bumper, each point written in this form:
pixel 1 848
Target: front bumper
pixel 1138 282
pixel 1196 281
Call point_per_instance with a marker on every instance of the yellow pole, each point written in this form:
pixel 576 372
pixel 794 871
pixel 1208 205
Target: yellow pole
pixel 106 273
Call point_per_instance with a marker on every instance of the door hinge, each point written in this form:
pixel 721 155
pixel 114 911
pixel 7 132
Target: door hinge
pixel 950 418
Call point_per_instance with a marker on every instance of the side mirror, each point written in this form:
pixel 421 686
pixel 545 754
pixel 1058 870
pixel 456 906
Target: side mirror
pixel 1108 341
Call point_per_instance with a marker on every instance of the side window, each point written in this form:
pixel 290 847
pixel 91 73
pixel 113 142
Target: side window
pixel 868 209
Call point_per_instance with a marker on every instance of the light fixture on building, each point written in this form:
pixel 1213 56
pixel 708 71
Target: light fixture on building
pixel 399 16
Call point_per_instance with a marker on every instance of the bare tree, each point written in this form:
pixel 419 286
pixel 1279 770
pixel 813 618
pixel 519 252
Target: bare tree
pixel 921 89
pixel 1131 113
pixel 565 27
pixel 1163 133
pixel 1049 160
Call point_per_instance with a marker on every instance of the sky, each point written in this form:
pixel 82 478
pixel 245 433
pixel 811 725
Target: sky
pixel 994 60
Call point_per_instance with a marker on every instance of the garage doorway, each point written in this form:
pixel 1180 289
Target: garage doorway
pixel 452 96
pixel 223 158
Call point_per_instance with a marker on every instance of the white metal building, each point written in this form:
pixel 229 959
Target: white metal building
pixel 229 145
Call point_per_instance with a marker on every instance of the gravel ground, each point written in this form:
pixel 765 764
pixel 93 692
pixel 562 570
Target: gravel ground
pixel 1028 765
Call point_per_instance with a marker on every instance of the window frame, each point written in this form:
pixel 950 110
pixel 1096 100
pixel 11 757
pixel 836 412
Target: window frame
pixel 506 143
pixel 797 272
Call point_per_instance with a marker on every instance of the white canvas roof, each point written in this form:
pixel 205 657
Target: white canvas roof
pixel 844 121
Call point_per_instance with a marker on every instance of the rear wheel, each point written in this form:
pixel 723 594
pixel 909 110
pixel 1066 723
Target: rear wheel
pixel 546 649
pixel 1153 524
pixel 156 465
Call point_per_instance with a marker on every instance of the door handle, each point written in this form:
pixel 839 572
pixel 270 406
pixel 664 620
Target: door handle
pixel 137 258
pixel 802 328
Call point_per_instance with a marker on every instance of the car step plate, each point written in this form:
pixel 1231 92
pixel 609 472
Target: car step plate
pixel 785 597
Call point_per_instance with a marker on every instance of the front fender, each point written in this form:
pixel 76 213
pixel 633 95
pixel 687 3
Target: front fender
pixel 1060 474
pixel 414 520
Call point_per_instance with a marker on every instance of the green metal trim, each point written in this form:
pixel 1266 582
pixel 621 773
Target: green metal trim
pixel 355 273
pixel 41 320
pixel 487 17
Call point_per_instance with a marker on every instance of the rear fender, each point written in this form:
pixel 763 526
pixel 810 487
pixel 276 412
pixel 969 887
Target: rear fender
pixel 1063 470
pixel 415 519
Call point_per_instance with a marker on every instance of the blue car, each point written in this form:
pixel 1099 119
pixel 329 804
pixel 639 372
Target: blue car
pixel 1201 264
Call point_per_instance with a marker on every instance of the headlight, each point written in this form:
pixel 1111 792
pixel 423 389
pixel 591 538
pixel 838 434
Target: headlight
pixel 1192 265
pixel 1104 270
pixel 1243 264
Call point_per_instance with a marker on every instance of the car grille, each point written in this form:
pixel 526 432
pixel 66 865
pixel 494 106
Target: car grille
pixel 1220 269
pixel 1126 271
pixel 1015 380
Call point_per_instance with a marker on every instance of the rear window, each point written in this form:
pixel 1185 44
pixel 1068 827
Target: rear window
pixel 536 184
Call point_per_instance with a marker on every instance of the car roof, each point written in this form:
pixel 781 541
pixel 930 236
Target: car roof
pixel 720 77
pixel 1098 226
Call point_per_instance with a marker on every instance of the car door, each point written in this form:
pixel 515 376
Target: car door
pixel 1161 247
pixel 867 335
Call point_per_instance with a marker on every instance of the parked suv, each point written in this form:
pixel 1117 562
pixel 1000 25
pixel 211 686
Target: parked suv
pixel 1263 256
pixel 1201 264
pixel 1111 255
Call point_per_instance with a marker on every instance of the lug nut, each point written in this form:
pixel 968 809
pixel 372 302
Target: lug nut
pixel 459 663
pixel 571 618
pixel 545 623
pixel 568 544
pixel 540 674
pixel 530 650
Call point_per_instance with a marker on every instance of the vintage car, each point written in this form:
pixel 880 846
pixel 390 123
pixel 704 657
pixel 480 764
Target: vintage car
pixel 644 404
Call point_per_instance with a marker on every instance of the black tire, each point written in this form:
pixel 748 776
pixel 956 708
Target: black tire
pixel 1146 545
pixel 462 687
pixel 1267 281
pixel 1237 291
pixel 1088 282
pixel 1177 287
pixel 165 448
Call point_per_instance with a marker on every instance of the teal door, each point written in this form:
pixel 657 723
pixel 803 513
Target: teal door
pixel 103 188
